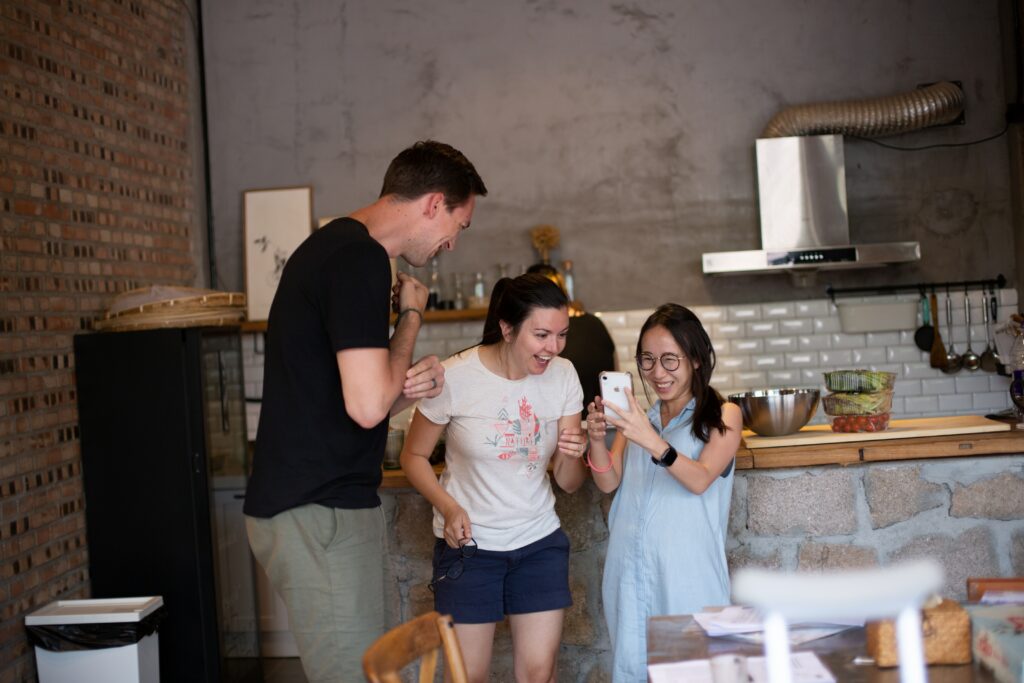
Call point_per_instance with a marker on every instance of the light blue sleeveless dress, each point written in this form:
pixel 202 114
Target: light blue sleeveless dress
pixel 666 549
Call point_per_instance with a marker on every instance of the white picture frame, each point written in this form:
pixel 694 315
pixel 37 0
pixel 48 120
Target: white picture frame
pixel 276 221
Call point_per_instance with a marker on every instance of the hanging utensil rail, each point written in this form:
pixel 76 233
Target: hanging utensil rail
pixel 998 282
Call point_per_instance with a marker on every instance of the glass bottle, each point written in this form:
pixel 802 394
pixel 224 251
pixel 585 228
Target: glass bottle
pixel 478 299
pixel 458 300
pixel 434 286
pixel 570 283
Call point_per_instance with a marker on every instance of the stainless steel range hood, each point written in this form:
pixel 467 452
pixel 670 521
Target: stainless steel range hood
pixel 804 225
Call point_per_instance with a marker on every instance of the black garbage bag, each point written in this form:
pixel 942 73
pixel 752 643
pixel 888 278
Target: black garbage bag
pixel 68 637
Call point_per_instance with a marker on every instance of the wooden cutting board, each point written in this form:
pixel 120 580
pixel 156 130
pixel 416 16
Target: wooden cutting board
pixel 898 429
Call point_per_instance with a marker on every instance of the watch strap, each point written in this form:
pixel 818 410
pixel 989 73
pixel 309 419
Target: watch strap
pixel 667 458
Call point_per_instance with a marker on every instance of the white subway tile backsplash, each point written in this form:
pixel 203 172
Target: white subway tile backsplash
pixel 920 371
pixel 924 405
pixel 751 380
pixel 815 342
pixel 801 359
pixel 709 314
pixel 900 354
pixel 776 344
pixel 907 387
pixel 826 325
pixel 810 377
pixel 971 384
pixel 637 317
pixel 1008 298
pixel 954 403
pixel 943 385
pixel 780 310
pixel 611 320
pixel 762 329
pixel 816 309
pixel 990 401
pixel 796 326
pixel 733 363
pixel 876 339
pixel 746 345
pixel 743 313
pixel 624 335
pixel 862 357
pixel 998 383
pixel 835 360
pixel 767 362
pixel 726 330
pixel 841 340
pixel 783 378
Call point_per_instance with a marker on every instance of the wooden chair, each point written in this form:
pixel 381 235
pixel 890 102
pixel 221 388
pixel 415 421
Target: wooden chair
pixel 787 597
pixel 976 586
pixel 421 638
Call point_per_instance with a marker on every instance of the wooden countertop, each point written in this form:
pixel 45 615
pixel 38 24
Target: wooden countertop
pixel 853 449
pixel 941 437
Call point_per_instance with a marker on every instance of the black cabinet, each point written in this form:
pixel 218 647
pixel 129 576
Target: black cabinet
pixel 162 420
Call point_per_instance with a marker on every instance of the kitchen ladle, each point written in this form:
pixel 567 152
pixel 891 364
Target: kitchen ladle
pixel 924 336
pixel 937 357
pixel 989 357
pixel 953 360
pixel 970 360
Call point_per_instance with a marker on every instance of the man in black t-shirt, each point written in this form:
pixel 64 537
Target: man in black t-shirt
pixel 332 377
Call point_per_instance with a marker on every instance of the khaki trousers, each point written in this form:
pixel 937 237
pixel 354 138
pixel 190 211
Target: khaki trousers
pixel 328 567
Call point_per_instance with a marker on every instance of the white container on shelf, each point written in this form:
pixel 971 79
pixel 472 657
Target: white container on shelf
pixel 878 317
pixel 135 663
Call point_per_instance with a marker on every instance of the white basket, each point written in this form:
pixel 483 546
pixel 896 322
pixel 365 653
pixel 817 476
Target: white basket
pixel 878 317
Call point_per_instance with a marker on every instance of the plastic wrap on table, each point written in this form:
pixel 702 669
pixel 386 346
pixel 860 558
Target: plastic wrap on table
pixel 862 381
pixel 857 404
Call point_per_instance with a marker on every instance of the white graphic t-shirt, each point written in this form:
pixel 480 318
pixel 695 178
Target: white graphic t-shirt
pixel 501 434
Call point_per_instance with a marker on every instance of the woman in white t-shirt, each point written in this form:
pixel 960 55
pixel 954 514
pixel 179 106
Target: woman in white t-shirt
pixel 508 406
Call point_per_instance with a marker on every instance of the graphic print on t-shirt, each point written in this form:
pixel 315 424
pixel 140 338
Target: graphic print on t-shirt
pixel 518 436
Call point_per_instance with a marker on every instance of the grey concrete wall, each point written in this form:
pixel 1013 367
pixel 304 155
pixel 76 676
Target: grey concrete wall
pixel 630 126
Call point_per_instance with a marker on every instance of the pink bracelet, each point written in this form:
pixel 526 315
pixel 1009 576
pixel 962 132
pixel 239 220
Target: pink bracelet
pixel 586 460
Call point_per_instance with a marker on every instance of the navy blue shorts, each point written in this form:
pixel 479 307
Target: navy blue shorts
pixel 493 583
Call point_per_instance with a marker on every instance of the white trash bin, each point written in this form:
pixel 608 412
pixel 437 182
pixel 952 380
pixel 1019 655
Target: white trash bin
pixel 138 662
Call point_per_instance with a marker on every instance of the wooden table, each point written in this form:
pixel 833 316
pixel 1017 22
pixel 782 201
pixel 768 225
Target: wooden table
pixel 676 638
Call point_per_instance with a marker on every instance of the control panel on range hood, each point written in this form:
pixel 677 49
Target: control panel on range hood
pixel 804 226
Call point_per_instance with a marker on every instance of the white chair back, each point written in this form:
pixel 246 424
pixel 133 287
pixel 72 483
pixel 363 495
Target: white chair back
pixel 785 598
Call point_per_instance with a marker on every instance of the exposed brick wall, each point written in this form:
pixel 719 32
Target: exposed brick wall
pixel 97 191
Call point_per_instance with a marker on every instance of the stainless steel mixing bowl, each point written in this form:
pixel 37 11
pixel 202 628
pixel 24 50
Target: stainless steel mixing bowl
pixel 776 412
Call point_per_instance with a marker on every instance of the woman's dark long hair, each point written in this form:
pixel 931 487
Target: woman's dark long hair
pixel 513 299
pixel 686 329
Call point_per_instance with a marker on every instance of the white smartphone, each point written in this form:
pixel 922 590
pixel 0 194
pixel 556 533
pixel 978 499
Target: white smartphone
pixel 613 389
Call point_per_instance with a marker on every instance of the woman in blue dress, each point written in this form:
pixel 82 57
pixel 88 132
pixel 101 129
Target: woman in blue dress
pixel 673 470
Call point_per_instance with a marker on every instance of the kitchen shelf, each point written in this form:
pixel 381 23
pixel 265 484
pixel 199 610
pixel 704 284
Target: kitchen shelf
pixel 428 317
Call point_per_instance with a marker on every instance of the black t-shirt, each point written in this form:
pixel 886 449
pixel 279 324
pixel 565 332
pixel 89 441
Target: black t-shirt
pixel 590 349
pixel 334 294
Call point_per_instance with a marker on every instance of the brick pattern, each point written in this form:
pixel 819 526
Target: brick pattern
pixel 96 198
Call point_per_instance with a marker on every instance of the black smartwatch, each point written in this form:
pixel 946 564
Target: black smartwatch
pixel 667 458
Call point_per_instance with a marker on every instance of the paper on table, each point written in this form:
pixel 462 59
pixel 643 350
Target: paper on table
pixel 735 619
pixel 1002 598
pixel 806 668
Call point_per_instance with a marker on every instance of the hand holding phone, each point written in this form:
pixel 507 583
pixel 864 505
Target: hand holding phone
pixel 613 389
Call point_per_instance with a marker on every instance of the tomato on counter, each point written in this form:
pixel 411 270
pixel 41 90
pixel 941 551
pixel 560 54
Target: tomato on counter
pixel 860 423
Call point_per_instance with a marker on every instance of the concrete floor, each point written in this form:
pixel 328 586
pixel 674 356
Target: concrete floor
pixel 283 670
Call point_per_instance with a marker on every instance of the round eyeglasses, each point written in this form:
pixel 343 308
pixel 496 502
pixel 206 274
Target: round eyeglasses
pixel 669 361
pixel 466 550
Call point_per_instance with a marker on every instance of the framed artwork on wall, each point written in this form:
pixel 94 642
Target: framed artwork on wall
pixel 277 220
